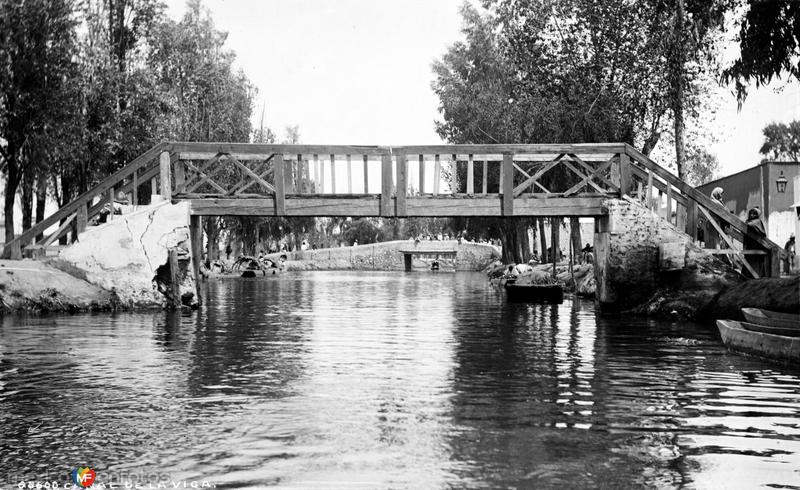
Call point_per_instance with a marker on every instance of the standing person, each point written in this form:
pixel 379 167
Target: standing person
pixel 755 226
pixel 714 240
pixel 788 259
pixel 716 195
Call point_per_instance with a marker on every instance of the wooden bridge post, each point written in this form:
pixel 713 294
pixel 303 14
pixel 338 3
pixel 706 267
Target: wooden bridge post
pixel 110 202
pixel 349 175
pixel 196 242
pixel 280 182
pixel 81 218
pixel 135 188
pixel 180 176
pixel 437 173
pixel 485 177
pixel 624 174
pixel 174 279
pixel 691 220
pixel 402 184
pixel 288 181
pixel 454 177
pixel 386 185
pixel 421 174
pixel 470 177
pixel 317 186
pixel 366 174
pixel 507 181
pixel 333 174
pixel 165 176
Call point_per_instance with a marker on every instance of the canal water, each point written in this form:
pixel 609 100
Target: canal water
pixel 389 380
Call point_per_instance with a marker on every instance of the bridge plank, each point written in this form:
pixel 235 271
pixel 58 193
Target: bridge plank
pixel 580 148
pixel 416 206
pixel 255 148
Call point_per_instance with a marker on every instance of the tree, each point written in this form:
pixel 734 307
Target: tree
pixel 37 41
pixel 782 141
pixel 769 41
pixel 204 99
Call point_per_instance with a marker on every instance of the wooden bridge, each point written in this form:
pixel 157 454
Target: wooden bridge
pixel 467 180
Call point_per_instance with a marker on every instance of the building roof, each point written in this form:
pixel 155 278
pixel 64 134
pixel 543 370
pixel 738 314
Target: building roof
pixel 765 162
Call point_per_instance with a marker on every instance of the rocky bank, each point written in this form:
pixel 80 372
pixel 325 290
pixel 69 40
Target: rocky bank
pixel 122 264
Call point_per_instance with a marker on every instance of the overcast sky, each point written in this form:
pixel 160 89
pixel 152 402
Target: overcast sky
pixel 359 72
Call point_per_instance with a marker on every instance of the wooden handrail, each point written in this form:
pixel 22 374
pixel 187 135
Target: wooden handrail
pixel 107 183
pixel 251 148
pixel 700 198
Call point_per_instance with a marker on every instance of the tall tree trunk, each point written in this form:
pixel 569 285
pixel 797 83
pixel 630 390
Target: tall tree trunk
pixel 41 200
pixel 679 89
pixel 542 239
pixel 508 238
pixel 212 235
pixel 12 182
pixel 575 236
pixel 26 201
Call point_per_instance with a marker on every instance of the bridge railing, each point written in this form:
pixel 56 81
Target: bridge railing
pixel 394 176
pixel 686 207
pixel 552 180
pixel 74 217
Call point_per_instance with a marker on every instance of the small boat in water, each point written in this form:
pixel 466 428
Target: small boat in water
pixel 736 336
pixel 534 293
pixel 771 318
pixel 788 332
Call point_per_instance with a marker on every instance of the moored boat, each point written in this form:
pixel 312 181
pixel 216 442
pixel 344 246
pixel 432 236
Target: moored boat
pixel 788 332
pixel 771 318
pixel 534 293
pixel 781 348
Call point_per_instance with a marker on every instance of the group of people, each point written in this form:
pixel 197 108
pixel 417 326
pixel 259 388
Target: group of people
pixel 750 241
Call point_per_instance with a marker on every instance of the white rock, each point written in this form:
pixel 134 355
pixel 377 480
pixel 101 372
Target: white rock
pixel 123 254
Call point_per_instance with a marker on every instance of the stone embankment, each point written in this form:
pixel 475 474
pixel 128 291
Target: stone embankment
pixel 648 266
pixel 29 285
pixel 388 256
pixel 122 264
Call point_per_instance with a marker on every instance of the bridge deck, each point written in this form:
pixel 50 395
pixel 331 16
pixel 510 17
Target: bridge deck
pixel 365 205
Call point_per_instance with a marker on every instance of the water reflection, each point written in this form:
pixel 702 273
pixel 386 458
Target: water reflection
pixel 385 380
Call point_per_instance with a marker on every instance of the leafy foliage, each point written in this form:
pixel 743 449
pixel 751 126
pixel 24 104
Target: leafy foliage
pixel 782 141
pixel 769 39
pixel 37 40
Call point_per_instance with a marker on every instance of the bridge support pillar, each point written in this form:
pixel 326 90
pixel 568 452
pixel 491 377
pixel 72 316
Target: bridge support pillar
pixel 628 271
pixel 196 241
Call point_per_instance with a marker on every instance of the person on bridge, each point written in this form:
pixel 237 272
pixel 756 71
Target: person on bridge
pixel 755 228
pixel 788 259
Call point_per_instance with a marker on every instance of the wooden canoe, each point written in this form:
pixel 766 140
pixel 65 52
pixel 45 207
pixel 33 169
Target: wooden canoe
pixel 776 347
pixel 788 332
pixel 771 318
pixel 534 293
